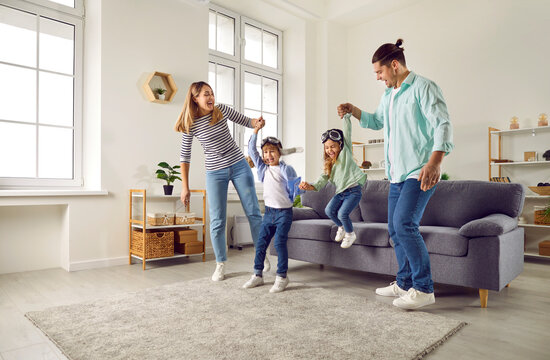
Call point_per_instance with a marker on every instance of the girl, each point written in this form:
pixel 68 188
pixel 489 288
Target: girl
pixel 224 161
pixel 343 172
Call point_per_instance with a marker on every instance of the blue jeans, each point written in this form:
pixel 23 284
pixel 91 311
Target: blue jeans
pixel 217 182
pixel 406 205
pixel 276 223
pixel 341 205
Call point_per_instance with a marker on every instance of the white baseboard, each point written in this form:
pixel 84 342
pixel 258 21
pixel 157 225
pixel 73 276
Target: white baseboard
pixel 101 263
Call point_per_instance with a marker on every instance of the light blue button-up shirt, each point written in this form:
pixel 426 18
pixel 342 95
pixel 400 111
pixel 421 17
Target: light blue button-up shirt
pixel 422 126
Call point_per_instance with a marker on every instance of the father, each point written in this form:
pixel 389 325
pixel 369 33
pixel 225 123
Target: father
pixel 417 135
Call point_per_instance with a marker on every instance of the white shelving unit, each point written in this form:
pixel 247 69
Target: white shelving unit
pixel 139 222
pixel 533 233
pixel 365 147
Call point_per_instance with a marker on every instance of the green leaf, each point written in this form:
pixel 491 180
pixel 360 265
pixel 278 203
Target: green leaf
pixel 160 172
pixel 164 165
pixel 162 176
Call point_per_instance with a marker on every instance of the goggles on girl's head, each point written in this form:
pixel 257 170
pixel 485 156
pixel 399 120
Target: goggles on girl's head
pixel 273 141
pixel 334 135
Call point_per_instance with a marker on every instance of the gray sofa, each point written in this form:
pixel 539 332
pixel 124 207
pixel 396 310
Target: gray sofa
pixel 470 229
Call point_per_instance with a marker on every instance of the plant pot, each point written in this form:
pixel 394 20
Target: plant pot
pixel 161 96
pixel 168 189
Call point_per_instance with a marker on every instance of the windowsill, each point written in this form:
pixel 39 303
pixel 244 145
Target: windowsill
pixel 233 196
pixel 57 192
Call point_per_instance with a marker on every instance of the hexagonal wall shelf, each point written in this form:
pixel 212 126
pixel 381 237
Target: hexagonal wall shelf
pixel 156 80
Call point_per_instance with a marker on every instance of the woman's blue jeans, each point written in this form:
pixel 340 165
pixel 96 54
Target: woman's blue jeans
pixel 406 205
pixel 276 223
pixel 217 182
pixel 341 205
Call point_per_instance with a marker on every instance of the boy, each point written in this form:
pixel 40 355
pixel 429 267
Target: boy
pixel 280 189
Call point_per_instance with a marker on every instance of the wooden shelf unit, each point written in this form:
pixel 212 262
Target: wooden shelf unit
pixel 169 85
pixel 142 224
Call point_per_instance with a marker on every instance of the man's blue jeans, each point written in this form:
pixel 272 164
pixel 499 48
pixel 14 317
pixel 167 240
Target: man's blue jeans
pixel 341 205
pixel 406 205
pixel 217 182
pixel 276 222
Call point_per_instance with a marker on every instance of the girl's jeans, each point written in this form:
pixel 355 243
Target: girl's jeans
pixel 217 182
pixel 406 204
pixel 341 205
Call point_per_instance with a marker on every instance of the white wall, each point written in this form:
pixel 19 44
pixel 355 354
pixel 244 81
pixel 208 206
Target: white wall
pixel 489 57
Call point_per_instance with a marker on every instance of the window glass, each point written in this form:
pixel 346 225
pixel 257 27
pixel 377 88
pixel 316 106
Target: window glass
pixel 269 95
pixel 212 30
pixel 17 94
pixel 55 102
pixel 252 91
pixel 64 2
pixel 17 37
pixel 55 162
pixel 253 43
pixel 270 49
pixel 225 37
pixel 225 85
pixel 56 46
pixel 17 150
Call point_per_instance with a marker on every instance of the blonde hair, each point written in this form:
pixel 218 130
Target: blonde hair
pixel 190 109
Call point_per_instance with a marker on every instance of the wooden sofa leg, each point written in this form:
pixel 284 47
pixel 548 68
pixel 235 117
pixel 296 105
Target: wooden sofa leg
pixel 483 295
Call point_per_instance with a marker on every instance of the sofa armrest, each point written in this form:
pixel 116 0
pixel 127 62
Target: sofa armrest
pixel 491 225
pixel 304 214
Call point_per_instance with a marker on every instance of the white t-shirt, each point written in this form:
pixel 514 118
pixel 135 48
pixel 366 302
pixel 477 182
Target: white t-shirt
pixel 275 194
pixel 390 147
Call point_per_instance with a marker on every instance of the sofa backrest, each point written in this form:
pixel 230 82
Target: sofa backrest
pixel 374 202
pixel 454 203
pixel 318 201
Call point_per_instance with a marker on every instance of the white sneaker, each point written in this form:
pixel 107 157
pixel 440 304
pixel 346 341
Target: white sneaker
pixel 349 238
pixel 392 290
pixel 340 234
pixel 267 265
pixel 280 284
pixel 253 282
pixel 414 299
pixel 219 274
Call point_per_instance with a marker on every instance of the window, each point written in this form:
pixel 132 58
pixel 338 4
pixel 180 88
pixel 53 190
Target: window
pixel 40 116
pixel 245 70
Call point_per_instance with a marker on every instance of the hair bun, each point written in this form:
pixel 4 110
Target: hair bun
pixel 399 42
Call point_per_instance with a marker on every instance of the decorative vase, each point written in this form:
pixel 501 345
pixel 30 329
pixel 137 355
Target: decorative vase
pixel 161 96
pixel 514 123
pixel 543 120
pixel 168 189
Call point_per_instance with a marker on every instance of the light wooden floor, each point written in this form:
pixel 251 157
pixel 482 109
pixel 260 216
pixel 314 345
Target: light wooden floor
pixel 516 324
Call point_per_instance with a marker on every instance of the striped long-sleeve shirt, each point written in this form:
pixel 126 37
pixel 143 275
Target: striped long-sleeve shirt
pixel 220 149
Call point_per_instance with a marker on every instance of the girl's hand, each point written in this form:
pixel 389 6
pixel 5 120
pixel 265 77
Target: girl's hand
pixel 344 109
pixel 305 186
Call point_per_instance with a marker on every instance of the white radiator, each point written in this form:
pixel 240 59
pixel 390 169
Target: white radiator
pixel 240 232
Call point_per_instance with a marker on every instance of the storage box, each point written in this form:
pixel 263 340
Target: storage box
pixel 184 218
pixel 184 236
pixel 544 248
pixel 193 247
pixel 540 219
pixel 160 218
pixel 158 244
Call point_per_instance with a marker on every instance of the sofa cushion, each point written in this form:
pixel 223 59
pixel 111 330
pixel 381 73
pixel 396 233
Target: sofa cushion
pixel 303 214
pixel 313 229
pixel 443 240
pixel 318 201
pixel 454 203
pixel 374 202
pixel 492 225
pixel 370 234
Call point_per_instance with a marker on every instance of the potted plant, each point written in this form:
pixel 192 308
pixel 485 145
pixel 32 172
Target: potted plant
pixel 169 174
pixel 445 176
pixel 160 93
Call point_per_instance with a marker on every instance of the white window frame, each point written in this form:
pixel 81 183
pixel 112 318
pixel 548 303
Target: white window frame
pixel 241 65
pixel 75 17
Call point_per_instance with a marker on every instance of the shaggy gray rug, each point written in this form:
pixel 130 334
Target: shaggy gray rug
pixel 201 319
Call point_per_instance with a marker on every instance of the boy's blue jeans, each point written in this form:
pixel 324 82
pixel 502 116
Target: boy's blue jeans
pixel 341 205
pixel 406 205
pixel 217 182
pixel 276 222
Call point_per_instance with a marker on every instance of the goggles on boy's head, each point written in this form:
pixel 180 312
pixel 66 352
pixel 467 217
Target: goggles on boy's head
pixel 273 141
pixel 333 134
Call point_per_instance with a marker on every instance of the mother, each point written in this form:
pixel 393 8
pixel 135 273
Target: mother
pixel 224 161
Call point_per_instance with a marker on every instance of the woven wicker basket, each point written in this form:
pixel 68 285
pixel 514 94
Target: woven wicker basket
pixel 156 219
pixel 540 219
pixel 159 244
pixel 185 218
